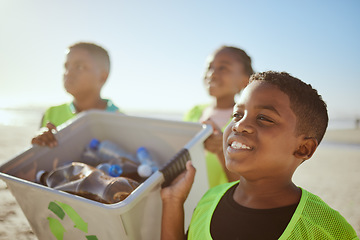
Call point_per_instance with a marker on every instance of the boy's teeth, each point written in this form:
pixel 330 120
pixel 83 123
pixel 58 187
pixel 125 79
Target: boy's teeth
pixel 237 145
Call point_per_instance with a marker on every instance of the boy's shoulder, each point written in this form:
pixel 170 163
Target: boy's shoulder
pixel 58 114
pixel 60 106
pixel 316 219
pixel 311 204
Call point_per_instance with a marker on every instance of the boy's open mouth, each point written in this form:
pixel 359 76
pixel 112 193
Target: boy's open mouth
pixel 239 145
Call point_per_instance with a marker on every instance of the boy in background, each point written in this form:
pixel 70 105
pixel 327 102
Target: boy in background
pixel 277 125
pixel 87 68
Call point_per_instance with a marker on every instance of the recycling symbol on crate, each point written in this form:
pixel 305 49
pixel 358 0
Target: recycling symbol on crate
pixel 57 229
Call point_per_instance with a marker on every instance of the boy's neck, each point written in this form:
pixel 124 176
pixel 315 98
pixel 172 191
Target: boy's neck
pixel 260 195
pixel 224 102
pixel 89 103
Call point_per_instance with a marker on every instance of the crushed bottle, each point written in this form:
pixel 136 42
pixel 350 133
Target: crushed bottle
pixel 89 182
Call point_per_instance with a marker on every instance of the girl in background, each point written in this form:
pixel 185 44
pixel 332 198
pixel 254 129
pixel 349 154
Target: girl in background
pixel 227 74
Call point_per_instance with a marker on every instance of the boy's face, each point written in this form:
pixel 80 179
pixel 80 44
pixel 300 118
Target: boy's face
pixel 260 141
pixel 225 75
pixel 83 75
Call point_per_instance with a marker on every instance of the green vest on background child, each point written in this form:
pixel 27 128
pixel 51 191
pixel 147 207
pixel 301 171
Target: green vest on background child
pixel 216 173
pixel 60 114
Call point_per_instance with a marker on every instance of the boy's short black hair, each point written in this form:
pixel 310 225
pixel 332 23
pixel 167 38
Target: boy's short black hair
pixel 96 51
pixel 241 56
pixel 308 106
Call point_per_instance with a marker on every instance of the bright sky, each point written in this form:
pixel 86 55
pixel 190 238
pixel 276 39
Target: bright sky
pixel 158 47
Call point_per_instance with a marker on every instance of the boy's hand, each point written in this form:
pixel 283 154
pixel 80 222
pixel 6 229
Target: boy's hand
pixel 173 198
pixel 46 138
pixel 214 143
pixel 180 188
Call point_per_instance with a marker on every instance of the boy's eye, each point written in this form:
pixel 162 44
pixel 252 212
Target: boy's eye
pixel 265 119
pixel 237 116
pixel 222 68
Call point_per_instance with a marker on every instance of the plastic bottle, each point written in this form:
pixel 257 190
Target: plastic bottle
pixel 89 156
pixel 41 177
pixel 65 178
pixel 130 170
pixel 86 181
pixel 112 170
pixel 108 151
pixel 147 166
pixel 102 188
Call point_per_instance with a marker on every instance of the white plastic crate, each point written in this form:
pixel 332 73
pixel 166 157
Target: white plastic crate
pixel 54 214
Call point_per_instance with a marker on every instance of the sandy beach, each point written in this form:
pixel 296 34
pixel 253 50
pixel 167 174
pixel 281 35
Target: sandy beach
pixel 332 174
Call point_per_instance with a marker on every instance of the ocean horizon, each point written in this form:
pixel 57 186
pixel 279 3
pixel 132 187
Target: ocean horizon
pixel 31 117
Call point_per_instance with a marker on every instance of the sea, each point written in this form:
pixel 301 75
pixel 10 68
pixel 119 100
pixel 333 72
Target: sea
pixel 31 117
pixel 21 117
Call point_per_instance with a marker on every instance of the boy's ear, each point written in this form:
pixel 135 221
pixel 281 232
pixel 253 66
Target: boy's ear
pixel 306 149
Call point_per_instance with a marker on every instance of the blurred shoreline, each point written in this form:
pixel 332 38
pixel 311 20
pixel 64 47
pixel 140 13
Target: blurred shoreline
pixel 344 136
pixel 29 116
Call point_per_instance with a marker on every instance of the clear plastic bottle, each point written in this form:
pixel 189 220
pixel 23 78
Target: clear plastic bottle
pixel 147 166
pixel 130 170
pixel 65 178
pixel 103 188
pixel 89 156
pixel 41 177
pixel 86 181
pixel 108 151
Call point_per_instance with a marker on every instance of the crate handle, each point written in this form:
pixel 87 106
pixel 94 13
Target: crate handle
pixel 175 166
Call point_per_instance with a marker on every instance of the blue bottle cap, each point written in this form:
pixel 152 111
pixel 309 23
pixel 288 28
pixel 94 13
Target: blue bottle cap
pixel 141 149
pixel 115 170
pixel 94 143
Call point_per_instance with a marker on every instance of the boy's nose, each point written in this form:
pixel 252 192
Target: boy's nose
pixel 243 126
pixel 68 71
pixel 210 73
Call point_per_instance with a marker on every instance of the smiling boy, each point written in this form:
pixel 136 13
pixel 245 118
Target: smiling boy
pixel 277 124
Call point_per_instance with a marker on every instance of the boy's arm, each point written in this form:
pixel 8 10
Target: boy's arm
pixel 173 198
pixel 214 144
pixel 172 225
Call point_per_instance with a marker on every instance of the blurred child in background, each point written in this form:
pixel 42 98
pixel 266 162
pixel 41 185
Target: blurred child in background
pixel 227 74
pixel 87 68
